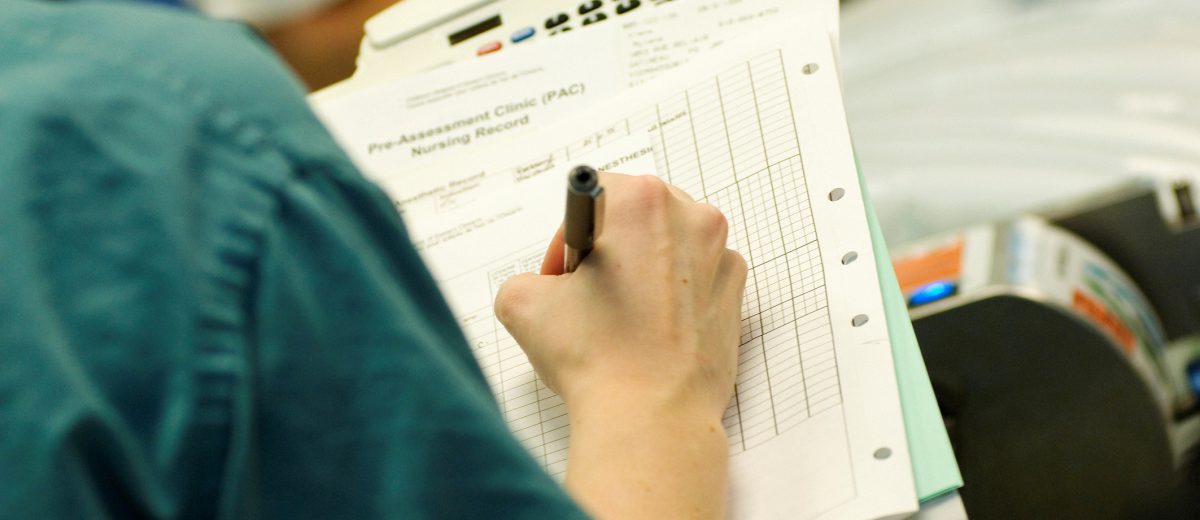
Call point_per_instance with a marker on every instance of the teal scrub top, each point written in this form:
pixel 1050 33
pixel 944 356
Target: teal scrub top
pixel 205 310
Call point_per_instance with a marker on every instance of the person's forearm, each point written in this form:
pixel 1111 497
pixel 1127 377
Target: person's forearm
pixel 630 459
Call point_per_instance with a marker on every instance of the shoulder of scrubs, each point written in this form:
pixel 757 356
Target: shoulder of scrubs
pixel 205 311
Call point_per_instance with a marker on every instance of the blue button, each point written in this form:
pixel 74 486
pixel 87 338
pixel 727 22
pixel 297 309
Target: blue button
pixel 932 293
pixel 522 35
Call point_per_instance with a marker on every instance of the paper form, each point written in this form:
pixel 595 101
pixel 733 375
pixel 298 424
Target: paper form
pixel 815 427
pixel 667 38
pixel 495 208
pixel 413 121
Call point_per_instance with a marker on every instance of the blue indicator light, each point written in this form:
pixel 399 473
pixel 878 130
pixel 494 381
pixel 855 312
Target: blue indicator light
pixel 522 35
pixel 932 293
pixel 1193 371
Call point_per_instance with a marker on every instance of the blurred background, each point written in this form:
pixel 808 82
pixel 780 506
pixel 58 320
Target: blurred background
pixel 969 111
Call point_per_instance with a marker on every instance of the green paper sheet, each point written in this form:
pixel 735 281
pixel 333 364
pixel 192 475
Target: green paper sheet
pixel 935 470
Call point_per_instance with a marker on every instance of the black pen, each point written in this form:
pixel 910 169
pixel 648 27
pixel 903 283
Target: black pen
pixel 585 214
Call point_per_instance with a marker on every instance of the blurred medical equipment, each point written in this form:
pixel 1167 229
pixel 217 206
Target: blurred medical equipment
pixel 428 33
pixel 1053 369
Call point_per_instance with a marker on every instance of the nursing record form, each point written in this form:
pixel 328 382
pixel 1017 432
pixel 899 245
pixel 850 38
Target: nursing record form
pixel 757 129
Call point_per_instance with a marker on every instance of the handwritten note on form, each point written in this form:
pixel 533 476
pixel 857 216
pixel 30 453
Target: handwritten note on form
pixel 756 129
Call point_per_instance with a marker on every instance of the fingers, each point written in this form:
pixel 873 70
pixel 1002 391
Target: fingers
pixel 680 194
pixel 552 263
pixel 641 203
pixel 622 185
pixel 731 275
pixel 730 286
pixel 711 224
pixel 520 302
pixel 735 265
pixel 646 206
pixel 609 180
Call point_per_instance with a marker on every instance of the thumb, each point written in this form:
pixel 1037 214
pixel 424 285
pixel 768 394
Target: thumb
pixel 521 301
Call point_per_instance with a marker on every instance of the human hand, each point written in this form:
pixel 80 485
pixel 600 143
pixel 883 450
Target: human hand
pixel 652 313
pixel 641 342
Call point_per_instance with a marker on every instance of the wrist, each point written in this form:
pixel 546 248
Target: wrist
pixel 674 454
pixel 645 398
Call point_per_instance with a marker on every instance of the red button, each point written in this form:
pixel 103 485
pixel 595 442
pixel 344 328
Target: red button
pixel 488 48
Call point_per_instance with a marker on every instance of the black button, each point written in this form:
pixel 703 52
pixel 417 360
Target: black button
pixel 560 30
pixel 557 20
pixel 588 7
pixel 627 6
pixel 598 17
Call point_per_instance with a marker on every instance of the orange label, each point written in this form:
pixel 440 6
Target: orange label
pixel 935 265
pixel 1105 319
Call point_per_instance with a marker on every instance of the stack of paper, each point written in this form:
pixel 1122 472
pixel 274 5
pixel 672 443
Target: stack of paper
pixel 475 155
